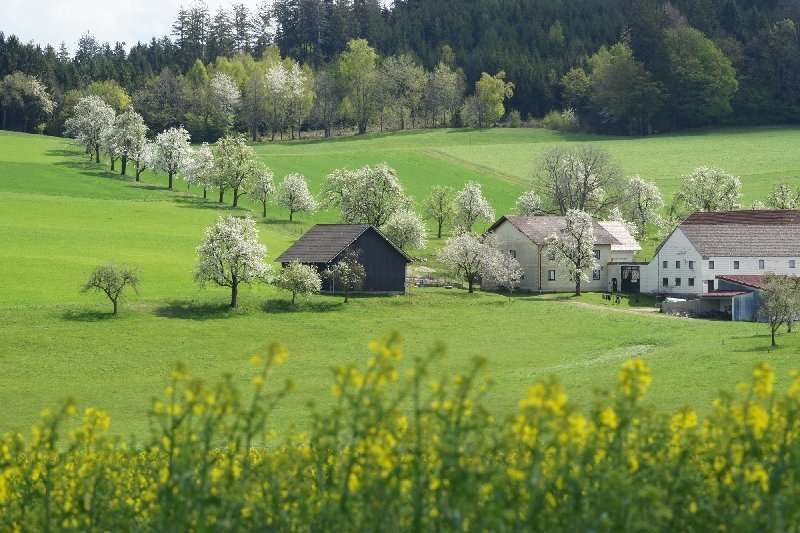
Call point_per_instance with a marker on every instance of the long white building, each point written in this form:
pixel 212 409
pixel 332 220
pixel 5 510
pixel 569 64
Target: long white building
pixel 708 245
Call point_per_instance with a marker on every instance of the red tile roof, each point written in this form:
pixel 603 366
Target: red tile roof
pixel 754 281
pixel 723 294
pixel 756 217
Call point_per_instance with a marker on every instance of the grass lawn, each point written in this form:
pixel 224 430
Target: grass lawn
pixel 62 215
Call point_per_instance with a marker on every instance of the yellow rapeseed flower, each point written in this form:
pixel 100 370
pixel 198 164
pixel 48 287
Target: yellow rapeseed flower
pixel 609 418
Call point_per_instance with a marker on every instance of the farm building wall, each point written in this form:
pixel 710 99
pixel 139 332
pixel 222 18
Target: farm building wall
pixel 746 306
pixel 511 239
pixel 384 266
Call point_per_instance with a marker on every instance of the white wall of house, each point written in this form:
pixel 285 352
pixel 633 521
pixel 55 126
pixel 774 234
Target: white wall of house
pixel 511 240
pixel 688 273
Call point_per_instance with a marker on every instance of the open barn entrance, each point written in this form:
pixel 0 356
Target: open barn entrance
pixel 630 279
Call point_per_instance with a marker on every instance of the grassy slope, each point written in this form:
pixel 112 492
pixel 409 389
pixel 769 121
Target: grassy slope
pixel 61 216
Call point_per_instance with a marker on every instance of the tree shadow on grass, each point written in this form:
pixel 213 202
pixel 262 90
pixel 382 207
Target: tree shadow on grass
pixel 285 306
pixel 198 202
pixel 188 310
pixel 64 152
pixel 765 344
pixel 90 168
pixel 87 316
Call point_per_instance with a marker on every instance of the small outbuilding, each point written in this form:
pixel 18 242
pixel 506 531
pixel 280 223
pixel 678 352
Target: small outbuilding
pixel 325 244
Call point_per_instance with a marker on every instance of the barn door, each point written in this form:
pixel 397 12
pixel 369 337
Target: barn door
pixel 630 279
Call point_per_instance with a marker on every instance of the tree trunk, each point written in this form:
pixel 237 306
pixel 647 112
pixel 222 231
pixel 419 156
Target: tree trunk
pixel 291 214
pixel 113 160
pixel 221 194
pixel 470 282
pixel 578 287
pixel 439 231
pixel 235 196
pixel 234 293
pixel 205 193
pixel 264 210
pixel 170 181
pixel 97 154
pixel 114 303
pixel 124 164
pixel 294 295
pixel 138 172
pixel 346 296
pixel 773 337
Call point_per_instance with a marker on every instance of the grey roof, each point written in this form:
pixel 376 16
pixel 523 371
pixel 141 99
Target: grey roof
pixel 751 233
pixel 324 242
pixel 537 229
pixel 620 232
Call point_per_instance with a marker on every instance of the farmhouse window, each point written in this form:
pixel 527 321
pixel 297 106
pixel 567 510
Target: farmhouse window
pixel 597 254
pixel 512 253
pixel 665 264
pixel 691 282
pixel 677 282
pixel 665 282
pixel 677 264
pixel 761 264
pixel 551 275
pixel 711 265
pixel 792 263
pixel 736 265
pixel 691 265
pixel 596 274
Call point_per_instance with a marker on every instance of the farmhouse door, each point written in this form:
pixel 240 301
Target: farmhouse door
pixel 630 279
pixel 711 285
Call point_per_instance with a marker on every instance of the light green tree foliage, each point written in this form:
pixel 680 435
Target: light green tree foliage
pixel 487 105
pixel 702 80
pixel 359 71
pixel 298 278
pixel 235 165
pixel 112 280
pixel 404 81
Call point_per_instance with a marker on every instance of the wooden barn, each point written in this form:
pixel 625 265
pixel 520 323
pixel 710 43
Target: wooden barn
pixel 324 244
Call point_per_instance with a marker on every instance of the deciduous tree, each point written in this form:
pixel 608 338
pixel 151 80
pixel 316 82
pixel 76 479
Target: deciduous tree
pixel 112 280
pixel 199 169
pixel 262 187
pixel 709 189
pixel 439 206
pixel 172 149
pixel 642 204
pixel 530 204
pixel 231 254
pixel 235 165
pixel 358 68
pixel 347 274
pixel 369 195
pixel 467 256
pixel 293 195
pixel 471 206
pixel 298 278
pixel 90 118
pixel 783 196
pixel 573 247
pixel 406 230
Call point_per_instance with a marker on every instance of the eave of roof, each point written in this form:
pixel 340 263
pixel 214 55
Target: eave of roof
pixel 723 294
pixel 754 281
pixel 329 256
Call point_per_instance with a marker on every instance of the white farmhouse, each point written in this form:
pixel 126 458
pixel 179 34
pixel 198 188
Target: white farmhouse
pixel 524 237
pixel 706 246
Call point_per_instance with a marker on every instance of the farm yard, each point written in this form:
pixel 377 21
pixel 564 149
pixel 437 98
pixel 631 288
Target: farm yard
pixel 62 215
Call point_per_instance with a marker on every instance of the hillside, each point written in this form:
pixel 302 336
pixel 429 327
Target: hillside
pixel 62 215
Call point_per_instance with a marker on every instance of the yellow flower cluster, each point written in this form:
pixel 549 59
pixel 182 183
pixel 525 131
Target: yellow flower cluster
pixel 412 454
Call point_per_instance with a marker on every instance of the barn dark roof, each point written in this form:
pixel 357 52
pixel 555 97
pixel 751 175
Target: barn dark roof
pixel 324 242
pixel 537 229
pixel 747 233
pixel 752 281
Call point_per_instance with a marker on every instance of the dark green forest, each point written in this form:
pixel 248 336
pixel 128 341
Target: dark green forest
pixel 624 66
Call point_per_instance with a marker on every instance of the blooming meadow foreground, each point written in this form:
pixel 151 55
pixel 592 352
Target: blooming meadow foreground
pixel 412 452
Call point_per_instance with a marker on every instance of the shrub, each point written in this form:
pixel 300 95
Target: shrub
pixel 413 453
pixel 514 119
pixel 566 120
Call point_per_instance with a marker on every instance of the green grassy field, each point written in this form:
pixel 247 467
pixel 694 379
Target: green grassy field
pixel 61 216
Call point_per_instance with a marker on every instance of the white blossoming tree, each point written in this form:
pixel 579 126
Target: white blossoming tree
pixel 293 195
pixel 199 168
pixel 468 257
pixel 471 206
pixel 369 195
pixel 406 230
pixel 90 118
pixel 642 204
pixel 783 196
pixel 232 254
pixel 235 165
pixel 262 188
pixel 298 278
pixel 125 138
pixel 573 247
pixel 225 96
pixel 529 204
pixel 505 270
pixel 143 156
pixel 439 207
pixel 172 149
pixel 709 189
